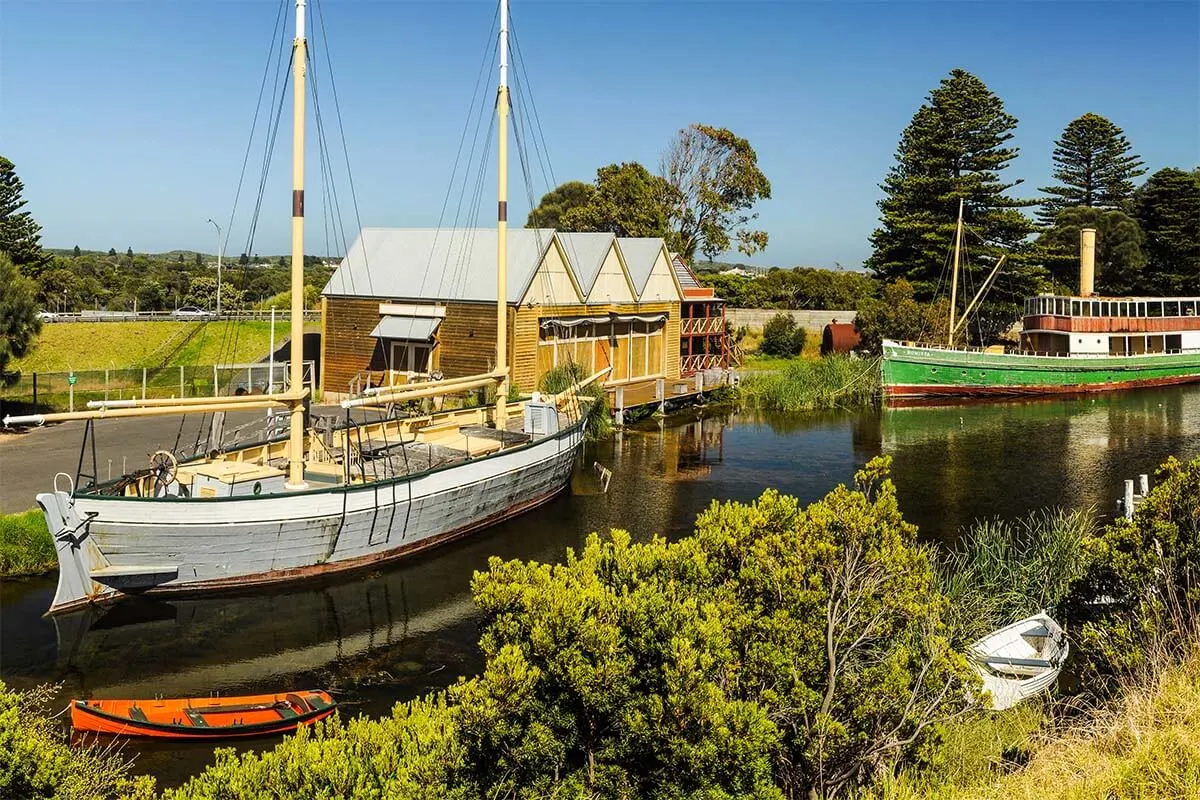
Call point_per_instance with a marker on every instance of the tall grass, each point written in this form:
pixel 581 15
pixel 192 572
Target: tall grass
pixel 594 401
pixel 1145 745
pixel 26 547
pixel 1002 570
pixel 836 381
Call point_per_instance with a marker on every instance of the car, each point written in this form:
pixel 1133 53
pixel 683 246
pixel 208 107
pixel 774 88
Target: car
pixel 47 316
pixel 191 311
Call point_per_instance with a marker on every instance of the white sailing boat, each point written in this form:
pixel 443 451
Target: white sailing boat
pixel 314 503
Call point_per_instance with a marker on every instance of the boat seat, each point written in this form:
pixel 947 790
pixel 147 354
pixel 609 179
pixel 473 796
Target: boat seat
pixel 137 714
pixel 198 720
pixel 317 702
pixel 298 702
pixel 1006 661
pixel 285 711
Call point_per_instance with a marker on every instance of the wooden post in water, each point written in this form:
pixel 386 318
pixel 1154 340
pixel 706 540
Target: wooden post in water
pixel 660 393
pixel 1143 485
pixel 1129 499
pixel 620 409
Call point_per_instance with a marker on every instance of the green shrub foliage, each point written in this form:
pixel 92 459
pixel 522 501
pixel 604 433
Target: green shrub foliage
pixel 782 337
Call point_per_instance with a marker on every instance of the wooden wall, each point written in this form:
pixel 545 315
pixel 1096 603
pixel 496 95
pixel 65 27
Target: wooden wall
pixel 346 341
pixel 466 338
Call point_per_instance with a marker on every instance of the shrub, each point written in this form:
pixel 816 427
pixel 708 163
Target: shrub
pixel 599 417
pixel 37 761
pixel 781 336
pixel 1143 584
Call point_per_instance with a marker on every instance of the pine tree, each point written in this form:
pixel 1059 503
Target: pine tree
pixel 1168 209
pixel 112 251
pixel 955 148
pixel 1093 166
pixel 129 253
pixel 76 252
pixel 199 260
pixel 20 235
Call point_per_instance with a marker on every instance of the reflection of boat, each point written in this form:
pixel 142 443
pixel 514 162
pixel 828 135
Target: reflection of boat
pixel 1020 660
pixel 342 498
pixel 1069 344
pixel 206 718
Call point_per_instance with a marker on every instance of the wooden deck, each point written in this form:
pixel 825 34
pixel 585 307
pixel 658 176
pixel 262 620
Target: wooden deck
pixel 660 392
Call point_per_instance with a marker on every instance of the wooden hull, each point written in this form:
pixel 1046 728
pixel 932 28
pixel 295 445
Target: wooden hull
pixel 1021 660
pixel 932 372
pixel 205 718
pixel 108 546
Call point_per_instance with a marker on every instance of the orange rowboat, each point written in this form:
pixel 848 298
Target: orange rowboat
pixel 202 717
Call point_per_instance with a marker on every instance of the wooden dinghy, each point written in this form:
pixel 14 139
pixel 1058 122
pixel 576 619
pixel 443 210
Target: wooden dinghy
pixel 1020 660
pixel 202 717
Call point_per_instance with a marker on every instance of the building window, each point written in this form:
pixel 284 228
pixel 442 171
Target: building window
pixel 409 356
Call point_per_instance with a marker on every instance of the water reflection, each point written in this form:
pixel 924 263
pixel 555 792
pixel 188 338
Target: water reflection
pixel 399 632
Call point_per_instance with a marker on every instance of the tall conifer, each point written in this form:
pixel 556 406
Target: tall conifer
pixel 1093 166
pixel 1168 209
pixel 955 148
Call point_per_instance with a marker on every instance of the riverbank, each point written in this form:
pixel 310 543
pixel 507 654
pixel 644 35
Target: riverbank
pixel 805 384
pixel 26 547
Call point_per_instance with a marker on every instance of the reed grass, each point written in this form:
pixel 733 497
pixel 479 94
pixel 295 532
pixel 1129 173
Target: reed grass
pixel 26 547
pixel 835 381
pixel 599 416
pixel 1002 570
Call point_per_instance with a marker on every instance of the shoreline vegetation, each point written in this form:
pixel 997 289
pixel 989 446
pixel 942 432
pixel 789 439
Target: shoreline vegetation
pixel 26 547
pixel 690 669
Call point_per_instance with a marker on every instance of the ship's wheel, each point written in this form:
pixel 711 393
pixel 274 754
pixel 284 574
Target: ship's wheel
pixel 164 465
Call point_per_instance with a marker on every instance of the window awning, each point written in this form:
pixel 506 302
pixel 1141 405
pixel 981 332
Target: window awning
pixel 417 329
pixel 571 322
pixel 640 317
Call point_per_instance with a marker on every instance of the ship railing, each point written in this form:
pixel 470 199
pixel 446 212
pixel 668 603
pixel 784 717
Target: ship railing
pixel 1044 353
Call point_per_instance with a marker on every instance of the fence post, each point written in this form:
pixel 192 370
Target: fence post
pixel 181 380
pixel 143 388
pixel 214 380
pixel 71 394
pixel 106 384
pixel 35 392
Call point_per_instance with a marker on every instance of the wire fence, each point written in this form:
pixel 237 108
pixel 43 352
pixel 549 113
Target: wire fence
pixel 71 391
pixel 310 315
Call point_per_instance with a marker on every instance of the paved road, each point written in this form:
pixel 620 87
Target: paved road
pixel 29 460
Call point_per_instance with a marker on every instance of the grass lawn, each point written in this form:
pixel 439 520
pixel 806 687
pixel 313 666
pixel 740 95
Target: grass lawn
pixel 25 545
pixel 96 345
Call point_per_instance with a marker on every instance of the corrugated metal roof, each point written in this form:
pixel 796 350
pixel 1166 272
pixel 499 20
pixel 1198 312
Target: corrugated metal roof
pixel 419 329
pixel 586 252
pixel 437 264
pixel 686 279
pixel 639 258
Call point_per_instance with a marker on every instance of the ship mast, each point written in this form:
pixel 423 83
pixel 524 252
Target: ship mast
pixel 954 279
pixel 502 227
pixel 296 353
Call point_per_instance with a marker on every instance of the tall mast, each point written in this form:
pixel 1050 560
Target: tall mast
pixel 296 351
pixel 502 225
pixel 954 279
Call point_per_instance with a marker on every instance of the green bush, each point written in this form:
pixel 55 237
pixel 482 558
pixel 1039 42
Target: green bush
pixel 1141 591
pixel 594 402
pixel 36 760
pixel 781 336
pixel 26 547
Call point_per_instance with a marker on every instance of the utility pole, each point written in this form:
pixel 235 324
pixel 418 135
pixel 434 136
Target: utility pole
pixel 220 248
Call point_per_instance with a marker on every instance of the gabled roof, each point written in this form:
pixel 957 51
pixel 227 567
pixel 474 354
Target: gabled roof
pixel 640 255
pixel 686 279
pixel 586 253
pixel 434 264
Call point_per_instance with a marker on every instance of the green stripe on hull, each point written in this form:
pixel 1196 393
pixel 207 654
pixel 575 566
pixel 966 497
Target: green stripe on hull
pixel 921 371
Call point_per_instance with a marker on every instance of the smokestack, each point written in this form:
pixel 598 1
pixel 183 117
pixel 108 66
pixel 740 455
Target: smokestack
pixel 1087 262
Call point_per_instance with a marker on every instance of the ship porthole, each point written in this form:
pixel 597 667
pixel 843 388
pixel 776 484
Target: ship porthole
pixel 934 370
pixel 258 487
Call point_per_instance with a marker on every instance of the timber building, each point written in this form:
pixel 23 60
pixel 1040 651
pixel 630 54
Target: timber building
pixel 424 301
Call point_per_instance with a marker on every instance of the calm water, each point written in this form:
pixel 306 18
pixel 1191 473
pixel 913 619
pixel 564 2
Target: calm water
pixel 397 633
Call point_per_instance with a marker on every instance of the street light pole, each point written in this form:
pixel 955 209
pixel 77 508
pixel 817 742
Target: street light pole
pixel 220 247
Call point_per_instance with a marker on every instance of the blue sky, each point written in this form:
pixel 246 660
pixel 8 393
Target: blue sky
pixel 128 119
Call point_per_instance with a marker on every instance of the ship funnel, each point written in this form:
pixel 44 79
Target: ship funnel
pixel 1087 262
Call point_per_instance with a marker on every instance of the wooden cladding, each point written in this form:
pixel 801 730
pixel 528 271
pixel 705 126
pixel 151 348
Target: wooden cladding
pixel 466 339
pixel 1111 324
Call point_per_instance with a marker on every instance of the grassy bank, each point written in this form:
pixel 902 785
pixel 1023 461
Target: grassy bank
pixel 97 345
pixel 25 545
pixel 1145 745
pixel 813 384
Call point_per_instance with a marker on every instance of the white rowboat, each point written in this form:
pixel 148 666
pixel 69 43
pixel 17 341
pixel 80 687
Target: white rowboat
pixel 1020 660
